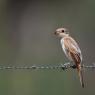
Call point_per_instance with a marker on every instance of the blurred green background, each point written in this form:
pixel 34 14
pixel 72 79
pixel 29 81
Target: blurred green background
pixel 26 38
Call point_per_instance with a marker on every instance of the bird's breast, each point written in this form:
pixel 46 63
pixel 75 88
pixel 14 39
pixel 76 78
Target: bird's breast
pixel 66 51
pixel 63 47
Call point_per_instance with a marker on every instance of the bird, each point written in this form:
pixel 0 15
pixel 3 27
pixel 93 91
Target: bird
pixel 71 50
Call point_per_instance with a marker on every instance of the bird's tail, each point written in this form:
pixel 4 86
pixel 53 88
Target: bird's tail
pixel 80 73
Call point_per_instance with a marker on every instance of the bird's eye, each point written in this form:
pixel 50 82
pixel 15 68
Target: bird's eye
pixel 62 30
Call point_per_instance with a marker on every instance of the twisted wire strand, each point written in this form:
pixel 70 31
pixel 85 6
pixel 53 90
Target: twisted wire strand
pixel 55 67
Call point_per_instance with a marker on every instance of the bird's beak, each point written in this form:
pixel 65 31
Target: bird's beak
pixel 55 33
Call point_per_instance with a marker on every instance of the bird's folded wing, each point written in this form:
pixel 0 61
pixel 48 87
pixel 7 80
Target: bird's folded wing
pixel 73 49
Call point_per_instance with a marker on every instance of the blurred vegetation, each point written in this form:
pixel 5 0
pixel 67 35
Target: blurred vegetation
pixel 26 38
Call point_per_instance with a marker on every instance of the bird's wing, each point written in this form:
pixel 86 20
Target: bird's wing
pixel 73 49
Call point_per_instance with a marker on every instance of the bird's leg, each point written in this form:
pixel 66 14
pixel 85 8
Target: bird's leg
pixel 68 65
pixel 72 65
pixel 65 66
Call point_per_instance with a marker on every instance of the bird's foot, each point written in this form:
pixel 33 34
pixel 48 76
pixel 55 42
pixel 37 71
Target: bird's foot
pixel 68 65
pixel 65 66
pixel 73 66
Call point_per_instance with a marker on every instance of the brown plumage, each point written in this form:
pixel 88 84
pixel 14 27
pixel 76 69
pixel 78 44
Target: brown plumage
pixel 72 50
pixel 74 55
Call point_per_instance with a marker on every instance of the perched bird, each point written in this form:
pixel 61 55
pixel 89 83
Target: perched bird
pixel 71 50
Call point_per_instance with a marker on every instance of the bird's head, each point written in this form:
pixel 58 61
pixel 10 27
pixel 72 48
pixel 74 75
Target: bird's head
pixel 61 32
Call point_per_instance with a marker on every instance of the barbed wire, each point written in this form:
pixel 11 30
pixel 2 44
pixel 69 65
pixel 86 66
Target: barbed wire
pixel 49 67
